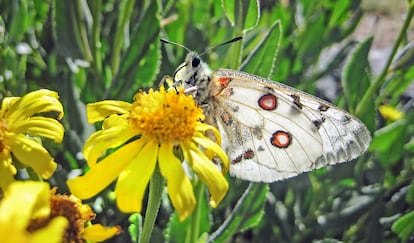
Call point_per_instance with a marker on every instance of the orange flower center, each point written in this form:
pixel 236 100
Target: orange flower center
pixel 167 116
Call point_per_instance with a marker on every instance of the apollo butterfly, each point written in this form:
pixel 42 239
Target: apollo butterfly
pixel 271 131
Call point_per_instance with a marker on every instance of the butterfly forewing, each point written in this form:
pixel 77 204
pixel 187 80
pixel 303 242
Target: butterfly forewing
pixel 272 131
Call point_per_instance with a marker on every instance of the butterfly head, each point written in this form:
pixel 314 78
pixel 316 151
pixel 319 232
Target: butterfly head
pixel 193 72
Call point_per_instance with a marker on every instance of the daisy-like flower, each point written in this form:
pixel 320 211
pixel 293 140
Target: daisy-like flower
pixel 23 202
pixel 147 132
pixel 79 216
pixel 21 125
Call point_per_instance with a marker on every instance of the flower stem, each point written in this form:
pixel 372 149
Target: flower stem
pixel 195 218
pixel 154 200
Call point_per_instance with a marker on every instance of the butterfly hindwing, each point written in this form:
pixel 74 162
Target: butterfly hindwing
pixel 272 131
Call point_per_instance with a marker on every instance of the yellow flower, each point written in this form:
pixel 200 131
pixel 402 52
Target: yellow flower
pixel 23 202
pixel 147 132
pixel 390 113
pixel 79 216
pixel 20 124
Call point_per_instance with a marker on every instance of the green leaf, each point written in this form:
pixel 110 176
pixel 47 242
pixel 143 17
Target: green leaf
pixel 404 59
pixel 135 228
pixel 252 15
pixel 178 231
pixel 229 8
pixel 388 142
pixel 409 146
pixel 140 63
pixel 354 77
pixel 67 31
pixel 339 13
pixel 410 193
pixel 243 14
pixel 262 59
pixel 404 226
pixel 42 9
pixel 20 21
pixel 246 214
pixel 309 41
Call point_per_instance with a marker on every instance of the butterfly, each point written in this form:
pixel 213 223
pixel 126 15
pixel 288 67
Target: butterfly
pixel 270 131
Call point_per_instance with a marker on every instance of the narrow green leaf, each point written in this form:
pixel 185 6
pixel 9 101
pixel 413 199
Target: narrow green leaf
pixel 310 42
pixel 404 226
pixel 261 61
pixel 339 13
pixel 252 15
pixel 140 63
pixel 243 14
pixel 66 29
pixel 20 22
pixel 354 77
pixel 246 214
pixel 404 59
pixel 229 8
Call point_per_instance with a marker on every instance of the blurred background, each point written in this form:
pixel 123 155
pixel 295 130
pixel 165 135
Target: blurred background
pixel 90 50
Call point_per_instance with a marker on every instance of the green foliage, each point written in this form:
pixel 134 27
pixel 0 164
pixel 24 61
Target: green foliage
pixel 90 50
pixel 246 214
pixel 355 81
pixel 135 227
pixel 404 226
pixel 259 61
pixel 193 228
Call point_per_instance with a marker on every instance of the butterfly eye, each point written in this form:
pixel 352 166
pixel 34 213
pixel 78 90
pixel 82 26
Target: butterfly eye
pixel 195 62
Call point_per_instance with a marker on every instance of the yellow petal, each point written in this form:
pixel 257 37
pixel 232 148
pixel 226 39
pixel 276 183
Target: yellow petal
pixel 101 175
pixel 34 102
pixel 98 111
pixel 39 126
pixel 7 170
pixel 179 186
pixel 99 142
pixel 24 200
pixel 209 175
pixel 32 154
pixel 210 145
pixel 133 181
pixel 114 121
pixel 7 102
pixel 98 233
pixel 203 127
pixel 53 232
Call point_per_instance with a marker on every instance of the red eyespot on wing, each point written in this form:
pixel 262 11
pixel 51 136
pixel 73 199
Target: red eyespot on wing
pixel 281 139
pixel 267 102
pixel 224 81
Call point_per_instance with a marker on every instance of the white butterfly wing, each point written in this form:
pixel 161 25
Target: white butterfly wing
pixel 271 131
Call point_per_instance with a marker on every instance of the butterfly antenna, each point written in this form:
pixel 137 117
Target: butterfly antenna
pixel 165 41
pixel 222 44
